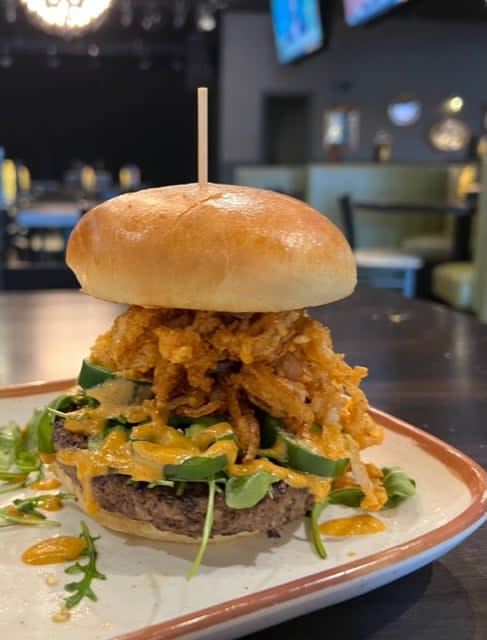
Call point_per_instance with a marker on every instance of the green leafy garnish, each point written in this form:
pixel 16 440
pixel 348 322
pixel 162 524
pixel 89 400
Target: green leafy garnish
pixel 20 448
pixel 243 492
pixel 396 482
pixel 18 456
pixel 207 526
pixel 314 526
pixel 398 485
pixel 82 588
pixel 24 511
pixel 347 496
pixel 159 483
pixel 195 469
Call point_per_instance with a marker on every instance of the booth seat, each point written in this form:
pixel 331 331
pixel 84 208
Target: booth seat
pixel 436 247
pixel 432 247
pixel 289 179
pixel 463 285
pixel 321 185
pixel 453 282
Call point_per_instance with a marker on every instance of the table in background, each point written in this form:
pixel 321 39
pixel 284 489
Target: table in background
pixel 427 364
pixel 43 221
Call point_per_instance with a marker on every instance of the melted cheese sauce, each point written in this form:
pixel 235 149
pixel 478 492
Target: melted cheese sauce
pixel 54 550
pixel 352 526
pixel 46 484
pixel 114 396
pixel 51 503
pixel 206 436
pixel 144 460
pixel 47 458
pixel 151 445
pixel 319 487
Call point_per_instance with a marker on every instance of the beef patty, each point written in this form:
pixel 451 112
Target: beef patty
pixel 186 513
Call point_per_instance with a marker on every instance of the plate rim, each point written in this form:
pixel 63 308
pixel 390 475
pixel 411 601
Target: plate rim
pixel 469 472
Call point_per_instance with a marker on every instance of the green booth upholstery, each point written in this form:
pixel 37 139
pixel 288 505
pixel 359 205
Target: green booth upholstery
pixel 426 236
pixel 453 283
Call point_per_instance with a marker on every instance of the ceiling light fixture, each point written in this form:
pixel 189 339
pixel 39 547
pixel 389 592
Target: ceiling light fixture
pixel 67 18
pixel 205 18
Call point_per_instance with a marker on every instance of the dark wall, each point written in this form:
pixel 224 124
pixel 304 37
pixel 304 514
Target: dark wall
pixel 115 113
pixel 431 59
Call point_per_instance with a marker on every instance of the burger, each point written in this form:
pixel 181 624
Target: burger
pixel 214 406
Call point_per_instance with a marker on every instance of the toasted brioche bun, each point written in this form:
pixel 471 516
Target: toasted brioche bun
pixel 218 248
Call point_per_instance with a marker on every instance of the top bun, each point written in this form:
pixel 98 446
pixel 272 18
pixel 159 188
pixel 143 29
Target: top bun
pixel 214 247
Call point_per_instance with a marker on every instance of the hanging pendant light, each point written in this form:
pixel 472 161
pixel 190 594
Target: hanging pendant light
pixel 68 18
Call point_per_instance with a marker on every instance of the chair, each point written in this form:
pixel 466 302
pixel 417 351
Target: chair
pixel 380 266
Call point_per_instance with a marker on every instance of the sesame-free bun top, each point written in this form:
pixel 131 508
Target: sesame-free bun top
pixel 214 247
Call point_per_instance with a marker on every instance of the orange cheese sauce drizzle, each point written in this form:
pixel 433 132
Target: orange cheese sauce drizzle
pixel 54 550
pixel 152 444
pixel 144 459
pixel 51 503
pixel 46 484
pixel 358 525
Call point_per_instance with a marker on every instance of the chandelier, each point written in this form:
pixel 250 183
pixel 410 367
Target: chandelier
pixel 67 18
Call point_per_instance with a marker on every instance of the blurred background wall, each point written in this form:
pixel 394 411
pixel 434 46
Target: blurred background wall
pixel 365 67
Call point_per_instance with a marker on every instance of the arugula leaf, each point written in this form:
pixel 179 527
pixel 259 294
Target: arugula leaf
pixel 39 431
pixel 13 517
pixel 18 456
pixel 23 511
pixel 348 496
pixel 205 534
pixel 160 483
pixel 28 505
pixel 398 485
pixel 20 448
pixel 315 530
pixel 82 588
pixel 243 492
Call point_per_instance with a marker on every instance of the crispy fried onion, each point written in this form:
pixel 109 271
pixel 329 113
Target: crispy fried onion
pixel 203 362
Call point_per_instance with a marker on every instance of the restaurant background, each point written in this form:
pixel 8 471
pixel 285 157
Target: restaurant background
pixel 88 117
pixel 134 101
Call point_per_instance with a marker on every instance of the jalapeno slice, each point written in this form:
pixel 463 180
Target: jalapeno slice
pixel 92 375
pixel 195 469
pixel 296 454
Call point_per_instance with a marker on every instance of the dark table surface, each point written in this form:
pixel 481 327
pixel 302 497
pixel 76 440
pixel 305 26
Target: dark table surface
pixel 427 364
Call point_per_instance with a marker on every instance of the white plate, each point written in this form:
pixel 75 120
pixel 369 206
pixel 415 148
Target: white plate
pixel 250 583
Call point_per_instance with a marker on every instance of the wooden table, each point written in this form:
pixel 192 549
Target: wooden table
pixel 427 365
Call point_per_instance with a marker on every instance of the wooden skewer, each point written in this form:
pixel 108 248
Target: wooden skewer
pixel 202 136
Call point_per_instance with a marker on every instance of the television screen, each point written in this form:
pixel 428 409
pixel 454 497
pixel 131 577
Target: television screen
pixel 297 28
pixel 359 11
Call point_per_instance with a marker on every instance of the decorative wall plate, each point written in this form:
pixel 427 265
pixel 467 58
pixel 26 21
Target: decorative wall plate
pixel 449 134
pixel 404 112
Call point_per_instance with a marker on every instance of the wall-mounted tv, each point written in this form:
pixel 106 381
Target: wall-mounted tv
pixel 360 11
pixel 298 29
